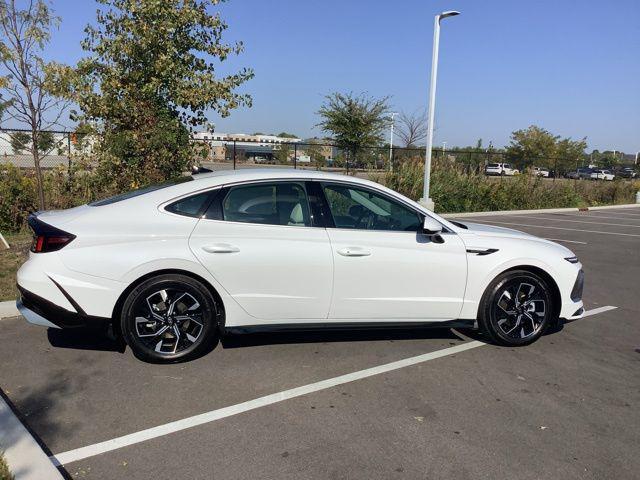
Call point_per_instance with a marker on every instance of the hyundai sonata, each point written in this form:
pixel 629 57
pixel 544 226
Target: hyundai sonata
pixel 168 267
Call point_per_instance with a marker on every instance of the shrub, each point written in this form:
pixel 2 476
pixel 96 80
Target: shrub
pixel 18 196
pixel 454 191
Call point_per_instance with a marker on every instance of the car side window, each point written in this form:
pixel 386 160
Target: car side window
pixel 191 206
pixel 281 203
pixel 352 207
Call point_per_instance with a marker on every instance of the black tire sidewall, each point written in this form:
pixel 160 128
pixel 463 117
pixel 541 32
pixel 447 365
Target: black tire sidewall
pixel 486 320
pixel 156 283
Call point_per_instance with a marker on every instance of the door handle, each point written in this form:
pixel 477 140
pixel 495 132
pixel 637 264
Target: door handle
pixel 354 252
pixel 220 248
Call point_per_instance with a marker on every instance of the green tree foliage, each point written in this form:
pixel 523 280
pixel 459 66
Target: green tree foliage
pixel 283 153
pixel 20 141
pixel 150 76
pixel 25 82
pixel 355 122
pixel 286 135
pixel 535 146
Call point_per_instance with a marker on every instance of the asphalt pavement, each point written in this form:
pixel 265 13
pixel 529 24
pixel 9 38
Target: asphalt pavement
pixel 564 407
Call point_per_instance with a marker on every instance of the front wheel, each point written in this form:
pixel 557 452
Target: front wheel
pixel 169 318
pixel 517 308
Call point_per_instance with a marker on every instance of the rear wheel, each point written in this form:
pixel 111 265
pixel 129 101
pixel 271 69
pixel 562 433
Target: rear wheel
pixel 169 318
pixel 517 308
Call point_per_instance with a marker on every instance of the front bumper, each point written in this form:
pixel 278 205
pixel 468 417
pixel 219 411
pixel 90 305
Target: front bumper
pixel 39 311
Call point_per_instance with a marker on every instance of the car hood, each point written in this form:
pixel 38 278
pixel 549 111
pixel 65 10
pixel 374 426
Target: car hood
pixel 482 230
pixel 491 231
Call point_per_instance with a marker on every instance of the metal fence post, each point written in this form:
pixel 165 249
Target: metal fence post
pixel 69 149
pixel 295 155
pixel 234 154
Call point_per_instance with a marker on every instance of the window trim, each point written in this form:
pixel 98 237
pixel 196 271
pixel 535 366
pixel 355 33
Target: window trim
pixel 213 193
pixel 225 189
pixel 421 215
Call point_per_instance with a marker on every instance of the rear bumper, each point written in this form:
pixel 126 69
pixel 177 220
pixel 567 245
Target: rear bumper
pixel 40 311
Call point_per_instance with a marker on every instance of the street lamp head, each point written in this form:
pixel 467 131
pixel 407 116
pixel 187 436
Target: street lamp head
pixel 448 13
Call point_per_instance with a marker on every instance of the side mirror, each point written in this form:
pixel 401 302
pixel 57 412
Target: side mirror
pixel 431 226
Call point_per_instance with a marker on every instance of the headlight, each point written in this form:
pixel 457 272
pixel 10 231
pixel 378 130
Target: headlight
pixel 572 259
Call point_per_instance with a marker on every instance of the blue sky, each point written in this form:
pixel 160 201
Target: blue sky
pixel 572 67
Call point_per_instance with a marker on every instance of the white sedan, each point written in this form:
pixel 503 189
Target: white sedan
pixel 600 174
pixel 171 266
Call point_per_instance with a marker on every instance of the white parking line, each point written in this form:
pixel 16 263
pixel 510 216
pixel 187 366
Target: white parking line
pixel 616 213
pixel 159 431
pixel 591 215
pixel 580 221
pixel 490 222
pixel 143 435
pixel 598 310
pixel 566 241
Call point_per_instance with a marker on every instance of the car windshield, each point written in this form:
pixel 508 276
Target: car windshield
pixel 138 192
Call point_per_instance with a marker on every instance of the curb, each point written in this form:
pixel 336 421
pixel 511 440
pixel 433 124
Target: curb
pixel 8 309
pixel 542 210
pixel 25 457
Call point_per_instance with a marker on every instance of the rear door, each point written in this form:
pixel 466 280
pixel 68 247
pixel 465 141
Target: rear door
pixel 259 242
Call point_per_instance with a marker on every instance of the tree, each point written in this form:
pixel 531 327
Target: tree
pixel 150 76
pixel 539 147
pixel 532 146
pixel 287 135
pixel 313 148
pixel 355 122
pixel 569 154
pixel 20 141
pixel 26 85
pixel 283 153
pixel 412 128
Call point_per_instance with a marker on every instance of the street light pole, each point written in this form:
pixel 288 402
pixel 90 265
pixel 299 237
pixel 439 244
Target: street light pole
pixel 391 142
pixel 426 200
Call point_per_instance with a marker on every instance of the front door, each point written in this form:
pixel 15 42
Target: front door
pixel 260 245
pixel 384 267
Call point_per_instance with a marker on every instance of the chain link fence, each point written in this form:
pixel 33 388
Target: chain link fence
pixel 62 148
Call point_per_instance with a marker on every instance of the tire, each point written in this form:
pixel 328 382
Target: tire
pixel 517 308
pixel 169 318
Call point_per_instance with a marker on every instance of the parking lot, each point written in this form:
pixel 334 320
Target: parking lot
pixel 344 405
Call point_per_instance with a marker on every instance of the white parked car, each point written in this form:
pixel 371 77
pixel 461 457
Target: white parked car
pixel 500 169
pixel 169 267
pixel 540 172
pixel 600 174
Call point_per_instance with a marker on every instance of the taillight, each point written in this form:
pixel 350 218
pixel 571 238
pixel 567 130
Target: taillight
pixel 45 243
pixel 47 238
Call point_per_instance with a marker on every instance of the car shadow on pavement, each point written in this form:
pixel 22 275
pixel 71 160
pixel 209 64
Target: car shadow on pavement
pixel 84 339
pixel 337 335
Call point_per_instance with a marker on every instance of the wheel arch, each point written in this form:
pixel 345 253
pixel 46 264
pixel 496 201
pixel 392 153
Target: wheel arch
pixel 555 290
pixel 117 309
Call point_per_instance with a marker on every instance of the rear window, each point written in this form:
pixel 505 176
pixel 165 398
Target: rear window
pixel 493 165
pixel 192 206
pixel 138 192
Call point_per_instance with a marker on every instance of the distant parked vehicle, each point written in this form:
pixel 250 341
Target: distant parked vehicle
pixel 627 172
pixel 500 169
pixel 585 173
pixel 540 172
pixel 599 174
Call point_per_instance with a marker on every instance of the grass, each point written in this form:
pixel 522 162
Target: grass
pixel 10 261
pixel 5 474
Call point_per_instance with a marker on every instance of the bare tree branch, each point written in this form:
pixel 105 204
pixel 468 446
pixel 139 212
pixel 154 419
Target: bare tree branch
pixel 412 128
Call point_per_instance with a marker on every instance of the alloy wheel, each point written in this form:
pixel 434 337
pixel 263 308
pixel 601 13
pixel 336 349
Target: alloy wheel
pixel 168 321
pixel 520 309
